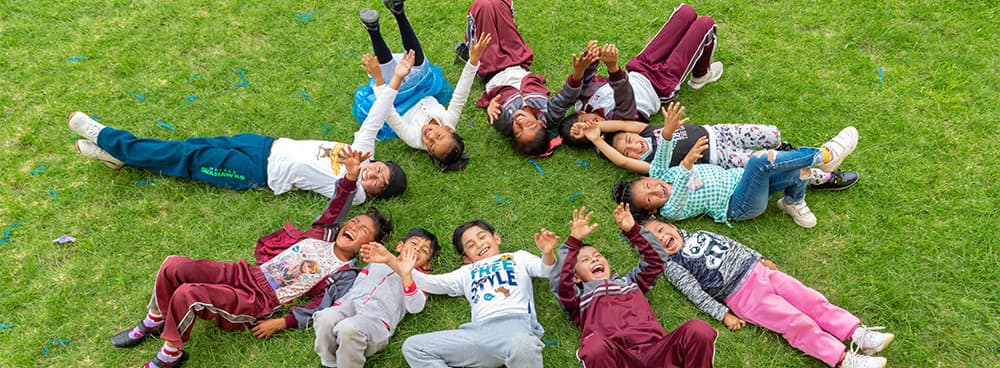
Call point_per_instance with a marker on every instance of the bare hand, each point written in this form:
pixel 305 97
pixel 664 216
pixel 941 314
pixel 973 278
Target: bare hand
pixel 477 48
pixel 733 322
pixel 768 264
pixel 407 261
pixel 576 131
pixel 580 226
pixel 404 65
pixel 546 240
pixel 672 119
pixel 266 328
pixel 609 54
pixel 695 153
pixel 592 131
pixel 371 66
pixel 623 216
pixel 581 62
pixel 375 252
pixel 493 110
pixel 352 161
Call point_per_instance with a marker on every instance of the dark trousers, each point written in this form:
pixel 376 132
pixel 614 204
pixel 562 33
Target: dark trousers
pixel 690 345
pixel 683 45
pixel 507 49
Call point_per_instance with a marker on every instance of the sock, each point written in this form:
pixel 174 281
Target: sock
pixel 820 177
pixel 151 322
pixel 827 156
pixel 166 355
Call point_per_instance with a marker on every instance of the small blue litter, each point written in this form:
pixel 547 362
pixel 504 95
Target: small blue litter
pixel 75 58
pixel 305 17
pixel 139 98
pixel 501 200
pixel 537 167
pixel 36 171
pixel 194 77
pixel 243 78
pixel 573 197
pixel 6 325
pixel 52 191
pixel 165 125
pixel 583 163
pixel 306 96
pixel 52 342
pixel 190 99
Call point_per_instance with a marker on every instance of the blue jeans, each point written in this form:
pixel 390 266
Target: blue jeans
pixel 238 162
pixel 762 178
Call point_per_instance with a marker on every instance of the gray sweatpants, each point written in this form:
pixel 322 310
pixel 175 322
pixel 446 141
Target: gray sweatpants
pixel 345 339
pixel 509 340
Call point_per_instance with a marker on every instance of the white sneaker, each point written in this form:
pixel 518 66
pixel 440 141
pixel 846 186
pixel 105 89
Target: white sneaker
pixel 854 360
pixel 800 212
pixel 714 73
pixel 85 126
pixel 94 152
pixel 840 146
pixel 869 340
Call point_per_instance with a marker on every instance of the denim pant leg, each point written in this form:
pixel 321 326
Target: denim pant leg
pixel 767 173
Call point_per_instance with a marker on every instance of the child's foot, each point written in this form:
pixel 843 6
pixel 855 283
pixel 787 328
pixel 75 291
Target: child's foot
pixel 85 126
pixel 159 361
pixel 870 340
pixel 853 360
pixel 369 18
pixel 800 212
pixel 838 148
pixel 134 336
pixel 94 152
pixel 395 6
pixel 461 52
pixel 714 73
pixel 839 180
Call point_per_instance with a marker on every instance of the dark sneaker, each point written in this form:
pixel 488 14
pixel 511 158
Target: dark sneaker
pixel 841 180
pixel 785 146
pixel 174 364
pixel 395 6
pixel 461 53
pixel 369 18
pixel 123 340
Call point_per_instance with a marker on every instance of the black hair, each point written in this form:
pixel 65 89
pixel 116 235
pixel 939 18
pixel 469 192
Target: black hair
pixel 456 237
pixel 622 193
pixel 423 233
pixel 536 147
pixel 383 224
pixel 397 181
pixel 454 160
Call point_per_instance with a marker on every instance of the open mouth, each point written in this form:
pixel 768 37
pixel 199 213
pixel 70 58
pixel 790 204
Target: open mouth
pixel 643 147
pixel 669 244
pixel 427 132
pixel 349 235
pixel 483 251
pixel 597 269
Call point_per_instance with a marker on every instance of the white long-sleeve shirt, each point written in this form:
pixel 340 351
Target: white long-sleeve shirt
pixel 496 286
pixel 409 126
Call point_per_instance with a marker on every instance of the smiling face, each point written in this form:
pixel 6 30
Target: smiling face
pixel 526 127
pixel 374 177
pixel 438 139
pixel 631 145
pixel 419 244
pixel 479 244
pixel 666 234
pixel 591 265
pixel 650 193
pixel 355 232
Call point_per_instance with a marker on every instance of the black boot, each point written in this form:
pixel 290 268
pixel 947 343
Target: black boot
pixel 369 18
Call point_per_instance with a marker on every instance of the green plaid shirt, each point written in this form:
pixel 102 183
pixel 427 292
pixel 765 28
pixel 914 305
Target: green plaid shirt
pixel 705 189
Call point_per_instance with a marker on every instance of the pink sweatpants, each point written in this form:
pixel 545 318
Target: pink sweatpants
pixel 780 303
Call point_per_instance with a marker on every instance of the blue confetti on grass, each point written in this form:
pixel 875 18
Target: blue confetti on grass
pixel 740 101
pixel 501 200
pixel 537 167
pixel 165 125
pixel 623 239
pixel 473 124
pixel 194 77
pixel 880 74
pixel 53 342
pixel 573 197
pixel 36 171
pixel 583 163
pixel 304 94
pixel 75 58
pixel 243 78
pixel 553 342
pixel 143 182
pixel 6 325
pixel 139 98
pixel 52 191
pixel 326 128
pixel 93 116
pixel 6 233
pixel 305 17
pixel 190 99
pixel 73 137
pixel 348 53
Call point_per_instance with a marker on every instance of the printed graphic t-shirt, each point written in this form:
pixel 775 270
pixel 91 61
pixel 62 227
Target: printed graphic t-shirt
pixel 307 165
pixel 300 267
pixel 496 286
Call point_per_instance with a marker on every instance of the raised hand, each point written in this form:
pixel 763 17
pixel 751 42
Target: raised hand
pixel 478 47
pixel 581 62
pixel 546 241
pixel 695 153
pixel 580 226
pixel 609 54
pixel 406 261
pixel 672 119
pixel 352 161
pixel 592 131
pixel 371 66
pixel 404 65
pixel 623 216
pixel 493 110
pixel 375 252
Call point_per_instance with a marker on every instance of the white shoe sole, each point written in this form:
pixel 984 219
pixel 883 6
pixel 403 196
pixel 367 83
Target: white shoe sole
pixel 92 151
pixel 848 139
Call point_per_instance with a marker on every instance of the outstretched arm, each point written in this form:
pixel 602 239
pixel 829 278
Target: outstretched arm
pixel 591 131
pixel 337 210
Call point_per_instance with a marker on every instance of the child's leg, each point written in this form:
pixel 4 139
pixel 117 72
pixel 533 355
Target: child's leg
pixel 238 162
pixel 692 344
pixel 410 41
pixel 358 338
pixel 599 351
pixel 507 49
pixel 757 303
pixel 678 49
pixel 768 172
pixel 324 322
pixel 493 343
pixel 382 52
pixel 833 319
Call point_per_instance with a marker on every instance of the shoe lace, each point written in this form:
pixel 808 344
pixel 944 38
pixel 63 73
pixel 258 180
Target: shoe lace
pixel 866 333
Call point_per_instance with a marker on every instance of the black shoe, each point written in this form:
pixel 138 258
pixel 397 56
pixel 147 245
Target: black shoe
pixel 841 180
pixel 395 6
pixel 175 364
pixel 461 53
pixel 369 18
pixel 123 340
pixel 784 146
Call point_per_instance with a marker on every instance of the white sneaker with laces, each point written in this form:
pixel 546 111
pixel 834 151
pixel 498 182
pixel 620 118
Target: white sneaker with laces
pixel 85 126
pixel 714 73
pixel 855 360
pixel 94 152
pixel 800 212
pixel 840 146
pixel 869 340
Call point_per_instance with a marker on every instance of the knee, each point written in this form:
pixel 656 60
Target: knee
pixel 685 12
pixel 523 344
pixel 412 347
pixel 594 347
pixel 348 330
pixel 323 323
pixel 699 331
pixel 703 23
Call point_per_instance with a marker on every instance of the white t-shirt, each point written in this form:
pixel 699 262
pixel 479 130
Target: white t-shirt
pixel 409 126
pixel 646 99
pixel 496 286
pixel 315 165
pixel 300 267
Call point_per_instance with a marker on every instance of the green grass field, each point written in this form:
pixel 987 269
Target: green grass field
pixel 914 246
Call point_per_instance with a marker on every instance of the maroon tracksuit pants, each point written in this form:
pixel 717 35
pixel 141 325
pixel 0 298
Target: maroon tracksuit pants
pixel 234 292
pixel 683 45
pixel 507 49
pixel 690 345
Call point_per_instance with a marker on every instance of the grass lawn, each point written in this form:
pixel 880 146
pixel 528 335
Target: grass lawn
pixel 914 246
